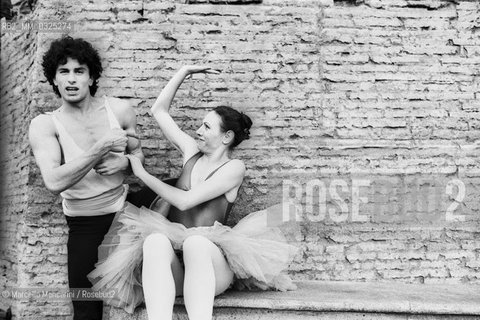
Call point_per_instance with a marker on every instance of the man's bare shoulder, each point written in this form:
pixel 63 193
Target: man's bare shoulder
pixel 42 123
pixel 122 108
pixel 120 105
pixel 41 129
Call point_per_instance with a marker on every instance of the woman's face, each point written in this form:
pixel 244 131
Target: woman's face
pixel 210 135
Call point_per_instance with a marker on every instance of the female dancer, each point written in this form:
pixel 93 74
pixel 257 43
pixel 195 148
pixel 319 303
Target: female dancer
pixel 192 253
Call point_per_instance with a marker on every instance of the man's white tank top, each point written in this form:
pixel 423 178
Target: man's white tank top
pixel 94 194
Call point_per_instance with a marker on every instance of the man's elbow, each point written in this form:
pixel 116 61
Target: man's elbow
pixel 53 187
pixel 55 191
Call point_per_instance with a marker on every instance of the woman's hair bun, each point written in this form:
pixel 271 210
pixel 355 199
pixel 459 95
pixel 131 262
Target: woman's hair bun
pixel 238 122
pixel 247 124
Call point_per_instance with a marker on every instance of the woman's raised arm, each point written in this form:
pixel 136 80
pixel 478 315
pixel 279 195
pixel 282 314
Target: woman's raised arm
pixel 160 110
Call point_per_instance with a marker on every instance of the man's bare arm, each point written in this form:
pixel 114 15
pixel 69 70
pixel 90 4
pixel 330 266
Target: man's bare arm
pixel 46 149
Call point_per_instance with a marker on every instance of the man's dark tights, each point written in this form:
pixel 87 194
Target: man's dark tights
pixel 84 237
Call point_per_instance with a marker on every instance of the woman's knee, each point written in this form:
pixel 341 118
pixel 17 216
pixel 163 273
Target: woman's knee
pixel 197 245
pixel 156 244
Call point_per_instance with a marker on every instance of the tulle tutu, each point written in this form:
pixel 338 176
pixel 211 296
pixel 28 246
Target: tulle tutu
pixel 255 249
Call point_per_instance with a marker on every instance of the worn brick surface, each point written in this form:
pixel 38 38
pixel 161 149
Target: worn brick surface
pixel 384 91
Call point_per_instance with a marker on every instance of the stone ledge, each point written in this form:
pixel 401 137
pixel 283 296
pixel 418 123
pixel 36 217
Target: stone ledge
pixel 350 297
pixel 363 297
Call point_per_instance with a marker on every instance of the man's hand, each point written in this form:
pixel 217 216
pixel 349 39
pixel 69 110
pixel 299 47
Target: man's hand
pixel 115 140
pixel 111 163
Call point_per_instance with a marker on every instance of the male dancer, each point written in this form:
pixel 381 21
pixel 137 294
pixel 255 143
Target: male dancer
pixel 80 150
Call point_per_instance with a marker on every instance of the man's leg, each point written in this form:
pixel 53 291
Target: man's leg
pixel 85 235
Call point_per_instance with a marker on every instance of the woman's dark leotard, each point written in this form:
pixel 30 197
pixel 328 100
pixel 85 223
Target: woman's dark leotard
pixel 206 213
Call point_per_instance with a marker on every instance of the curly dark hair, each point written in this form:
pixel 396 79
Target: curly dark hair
pixel 236 121
pixel 78 49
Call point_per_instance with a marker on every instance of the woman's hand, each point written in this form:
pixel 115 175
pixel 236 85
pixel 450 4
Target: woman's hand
pixel 111 163
pixel 136 165
pixel 191 69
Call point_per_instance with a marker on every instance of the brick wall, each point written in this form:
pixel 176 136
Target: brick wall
pixel 17 57
pixel 398 106
pixel 340 91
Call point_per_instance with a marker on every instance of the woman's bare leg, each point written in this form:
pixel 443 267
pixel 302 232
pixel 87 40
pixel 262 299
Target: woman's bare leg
pixel 207 274
pixel 162 277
